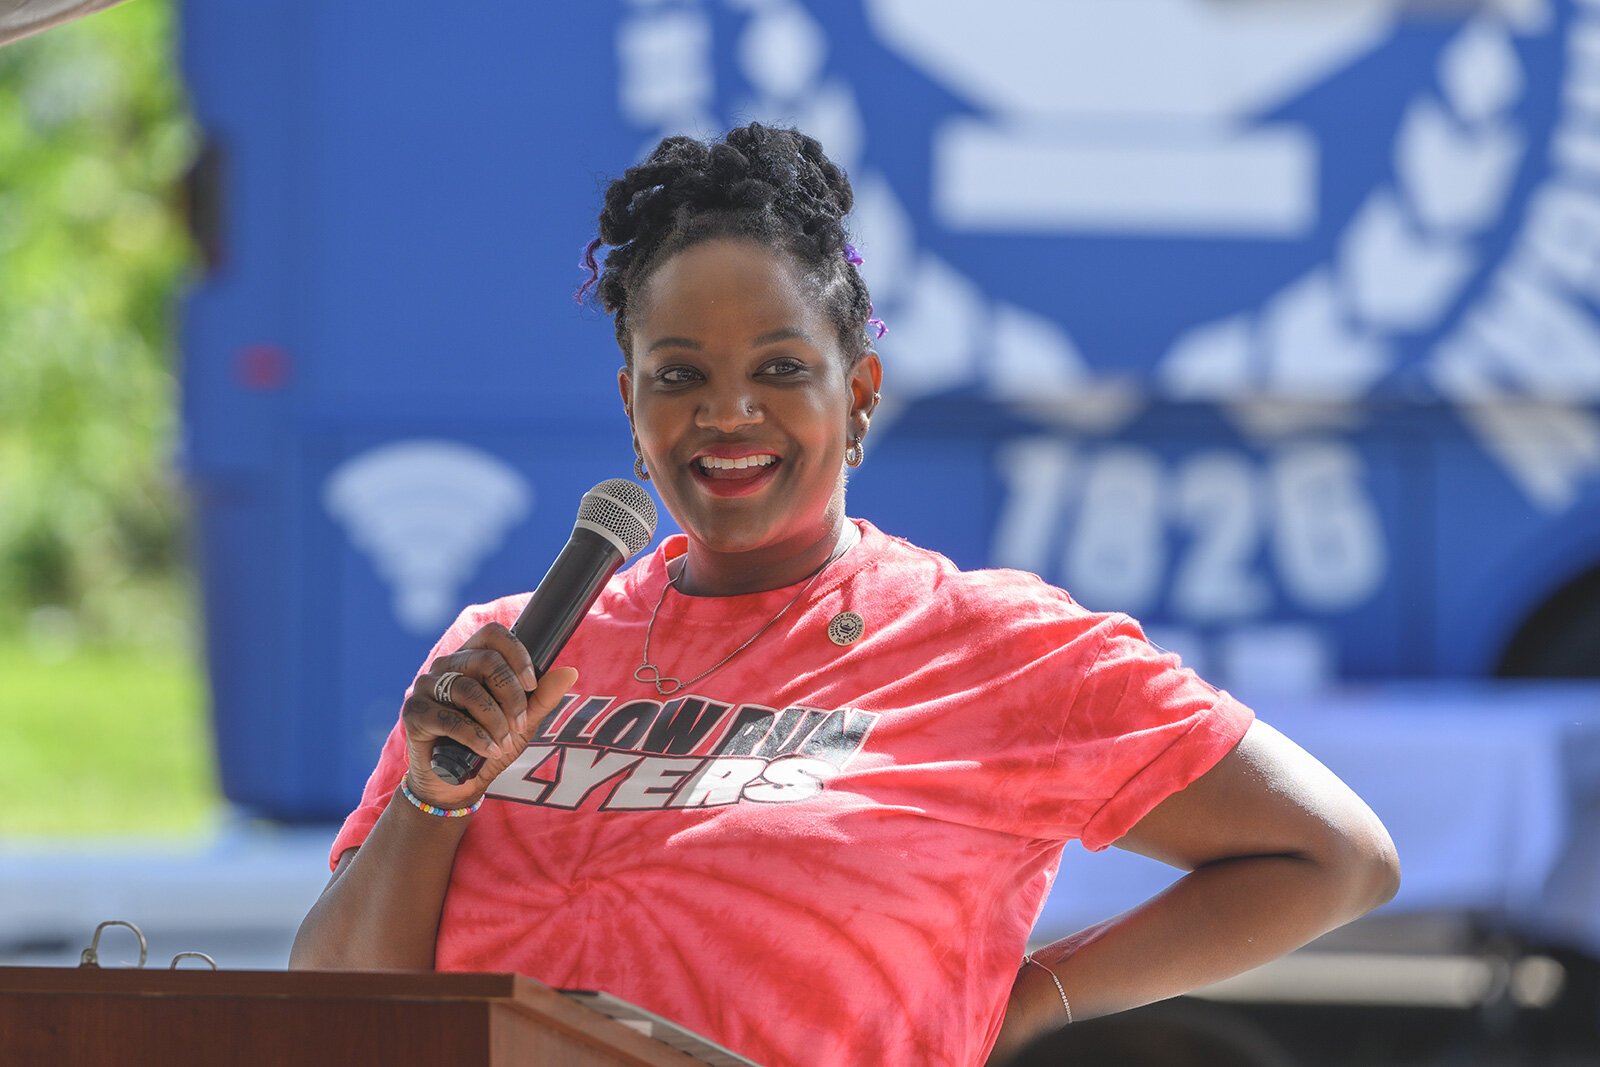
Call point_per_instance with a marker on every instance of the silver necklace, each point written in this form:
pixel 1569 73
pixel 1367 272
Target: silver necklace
pixel 666 685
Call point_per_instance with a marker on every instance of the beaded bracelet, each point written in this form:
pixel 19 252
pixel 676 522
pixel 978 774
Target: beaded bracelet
pixel 1059 989
pixel 443 813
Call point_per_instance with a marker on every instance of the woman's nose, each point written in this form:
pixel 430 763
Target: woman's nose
pixel 728 409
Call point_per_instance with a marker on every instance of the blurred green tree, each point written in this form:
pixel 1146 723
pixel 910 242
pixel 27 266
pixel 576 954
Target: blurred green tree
pixel 94 139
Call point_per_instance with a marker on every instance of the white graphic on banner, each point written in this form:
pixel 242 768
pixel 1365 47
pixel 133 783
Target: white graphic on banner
pixel 1216 498
pixel 427 513
pixel 1116 511
pixel 1107 123
pixel 664 57
pixel 1400 278
pixel 1524 364
pixel 1033 354
pixel 783 52
pixel 1129 115
pixel 1401 261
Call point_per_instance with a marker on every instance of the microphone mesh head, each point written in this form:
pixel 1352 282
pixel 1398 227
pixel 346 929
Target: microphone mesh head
pixel 622 507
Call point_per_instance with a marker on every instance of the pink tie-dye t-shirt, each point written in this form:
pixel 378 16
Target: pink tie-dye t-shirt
pixel 820 853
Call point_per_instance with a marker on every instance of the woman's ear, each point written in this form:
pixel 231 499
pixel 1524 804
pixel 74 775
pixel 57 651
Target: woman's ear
pixel 625 387
pixel 866 379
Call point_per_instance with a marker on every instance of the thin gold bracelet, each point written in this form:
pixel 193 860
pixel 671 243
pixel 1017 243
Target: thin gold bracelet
pixel 1065 1004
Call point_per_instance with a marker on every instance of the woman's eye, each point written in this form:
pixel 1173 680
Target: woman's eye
pixel 784 367
pixel 675 375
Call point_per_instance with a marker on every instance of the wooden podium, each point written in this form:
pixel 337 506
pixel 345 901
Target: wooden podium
pixel 60 1015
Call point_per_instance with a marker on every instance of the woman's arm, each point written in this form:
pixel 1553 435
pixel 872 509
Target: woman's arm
pixel 381 909
pixel 1279 852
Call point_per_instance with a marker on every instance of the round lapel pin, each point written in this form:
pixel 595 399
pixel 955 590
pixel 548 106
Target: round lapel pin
pixel 846 628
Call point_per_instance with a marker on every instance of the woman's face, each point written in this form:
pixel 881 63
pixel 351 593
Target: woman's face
pixel 741 400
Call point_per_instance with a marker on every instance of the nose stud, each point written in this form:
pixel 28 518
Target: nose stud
pixel 741 410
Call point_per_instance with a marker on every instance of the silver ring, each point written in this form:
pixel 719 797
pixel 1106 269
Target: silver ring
pixel 441 688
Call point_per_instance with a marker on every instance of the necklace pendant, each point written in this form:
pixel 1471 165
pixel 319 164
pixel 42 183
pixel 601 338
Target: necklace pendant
pixel 846 628
pixel 649 672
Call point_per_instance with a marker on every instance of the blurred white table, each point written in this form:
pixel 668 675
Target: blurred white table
pixel 1492 795
pixel 237 894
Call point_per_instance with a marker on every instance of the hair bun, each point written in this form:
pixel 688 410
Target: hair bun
pixel 752 193
pixel 764 183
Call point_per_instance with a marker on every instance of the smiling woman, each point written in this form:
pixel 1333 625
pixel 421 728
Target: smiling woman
pixel 829 845
pixel 742 400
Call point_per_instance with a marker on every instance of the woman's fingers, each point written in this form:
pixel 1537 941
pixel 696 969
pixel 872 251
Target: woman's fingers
pixel 497 638
pixel 515 653
pixel 491 701
pixel 490 677
pixel 427 718
pixel 469 698
pixel 545 697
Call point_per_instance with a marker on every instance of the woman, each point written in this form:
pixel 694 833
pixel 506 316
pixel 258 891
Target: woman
pixel 808 785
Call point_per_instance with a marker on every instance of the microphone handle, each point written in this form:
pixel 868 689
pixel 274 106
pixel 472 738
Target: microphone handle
pixel 563 597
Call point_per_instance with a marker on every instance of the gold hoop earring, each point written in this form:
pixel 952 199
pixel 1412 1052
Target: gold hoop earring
pixel 855 454
pixel 638 467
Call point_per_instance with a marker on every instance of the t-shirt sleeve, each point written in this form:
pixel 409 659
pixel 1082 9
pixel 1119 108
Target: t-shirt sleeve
pixel 1140 728
pixel 385 777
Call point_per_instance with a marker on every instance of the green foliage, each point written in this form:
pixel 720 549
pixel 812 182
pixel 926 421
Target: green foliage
pixel 94 138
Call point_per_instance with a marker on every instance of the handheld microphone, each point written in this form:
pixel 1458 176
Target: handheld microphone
pixel 616 519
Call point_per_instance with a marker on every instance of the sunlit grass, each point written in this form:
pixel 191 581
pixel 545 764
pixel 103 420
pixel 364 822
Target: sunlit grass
pixel 104 744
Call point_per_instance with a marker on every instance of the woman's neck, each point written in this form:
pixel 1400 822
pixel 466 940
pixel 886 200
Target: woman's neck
pixel 703 572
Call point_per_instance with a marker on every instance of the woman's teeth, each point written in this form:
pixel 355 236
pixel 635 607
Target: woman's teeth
pixel 714 463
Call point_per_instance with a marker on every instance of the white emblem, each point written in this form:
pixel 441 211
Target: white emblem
pixel 427 513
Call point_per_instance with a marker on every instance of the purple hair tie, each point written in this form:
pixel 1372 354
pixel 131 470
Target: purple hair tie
pixel 590 264
pixel 853 257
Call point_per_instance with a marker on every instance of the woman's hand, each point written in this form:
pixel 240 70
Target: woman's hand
pixel 495 706
pixel 1278 851
pixel 381 908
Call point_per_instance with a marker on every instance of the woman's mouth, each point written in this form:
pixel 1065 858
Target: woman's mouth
pixel 734 475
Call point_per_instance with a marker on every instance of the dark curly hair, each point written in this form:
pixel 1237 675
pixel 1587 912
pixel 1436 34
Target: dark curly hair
pixel 765 183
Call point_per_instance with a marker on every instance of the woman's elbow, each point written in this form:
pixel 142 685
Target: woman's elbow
pixel 1383 865
pixel 1363 863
